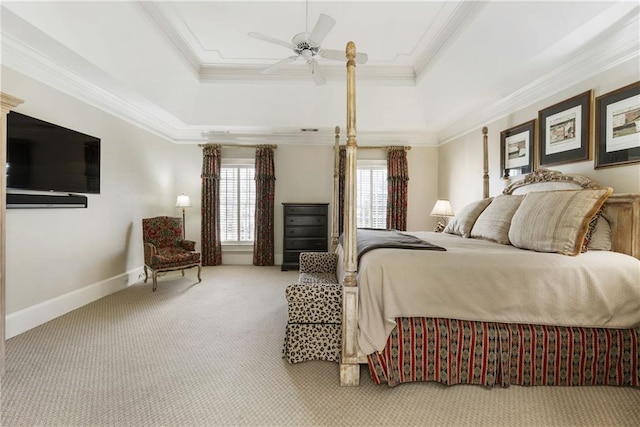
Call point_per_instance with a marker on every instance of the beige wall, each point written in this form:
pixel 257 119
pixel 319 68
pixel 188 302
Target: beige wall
pixel 61 259
pixel 460 161
pixel 304 174
pixel 57 259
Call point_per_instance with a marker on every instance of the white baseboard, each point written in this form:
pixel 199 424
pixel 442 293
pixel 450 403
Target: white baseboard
pixel 30 317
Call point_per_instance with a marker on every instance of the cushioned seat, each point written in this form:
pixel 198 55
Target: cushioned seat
pixel 317 278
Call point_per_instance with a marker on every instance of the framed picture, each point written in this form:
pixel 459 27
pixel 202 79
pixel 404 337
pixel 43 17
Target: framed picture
pixel 564 131
pixel 516 149
pixel 618 127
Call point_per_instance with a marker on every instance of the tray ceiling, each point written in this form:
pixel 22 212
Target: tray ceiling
pixel 189 72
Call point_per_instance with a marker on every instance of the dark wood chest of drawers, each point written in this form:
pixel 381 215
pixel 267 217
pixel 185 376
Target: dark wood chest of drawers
pixel 305 230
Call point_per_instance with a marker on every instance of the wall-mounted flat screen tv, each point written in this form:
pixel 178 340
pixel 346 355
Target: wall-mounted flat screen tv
pixel 42 156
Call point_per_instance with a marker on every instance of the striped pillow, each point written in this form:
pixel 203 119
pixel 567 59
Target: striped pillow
pixel 555 221
pixel 462 223
pixel 494 222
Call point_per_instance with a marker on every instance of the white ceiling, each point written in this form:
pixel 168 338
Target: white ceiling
pixel 188 71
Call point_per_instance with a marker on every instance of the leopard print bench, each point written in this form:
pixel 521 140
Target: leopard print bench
pixel 314 324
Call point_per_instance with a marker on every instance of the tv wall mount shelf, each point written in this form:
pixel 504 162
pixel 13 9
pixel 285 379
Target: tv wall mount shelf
pixel 44 201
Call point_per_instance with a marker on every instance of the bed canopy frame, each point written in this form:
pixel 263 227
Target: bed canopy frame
pixel 624 209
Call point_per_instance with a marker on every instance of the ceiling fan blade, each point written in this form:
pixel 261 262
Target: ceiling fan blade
pixel 275 67
pixel 271 40
pixel 340 55
pixel 318 77
pixel 321 29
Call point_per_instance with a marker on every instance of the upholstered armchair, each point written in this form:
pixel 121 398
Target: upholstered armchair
pixel 165 249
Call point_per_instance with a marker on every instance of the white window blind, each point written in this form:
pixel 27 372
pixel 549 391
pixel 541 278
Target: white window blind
pixel 371 210
pixel 237 201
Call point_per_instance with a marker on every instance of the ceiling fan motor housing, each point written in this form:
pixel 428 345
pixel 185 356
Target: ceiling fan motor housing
pixel 305 47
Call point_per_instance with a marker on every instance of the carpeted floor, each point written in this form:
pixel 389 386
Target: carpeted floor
pixel 210 354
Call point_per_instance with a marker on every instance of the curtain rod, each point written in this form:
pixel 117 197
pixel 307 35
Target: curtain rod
pixel 240 146
pixel 380 147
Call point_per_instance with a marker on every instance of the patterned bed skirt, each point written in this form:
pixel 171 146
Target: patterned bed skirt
pixel 490 354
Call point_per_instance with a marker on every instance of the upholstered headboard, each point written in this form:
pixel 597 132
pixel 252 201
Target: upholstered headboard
pixel 622 209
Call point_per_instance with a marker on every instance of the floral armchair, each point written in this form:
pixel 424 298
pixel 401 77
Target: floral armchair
pixel 165 249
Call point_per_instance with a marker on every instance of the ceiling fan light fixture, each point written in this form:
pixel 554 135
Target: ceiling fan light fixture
pixel 308 46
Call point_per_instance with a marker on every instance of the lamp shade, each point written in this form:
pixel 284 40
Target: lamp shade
pixel 183 201
pixel 442 208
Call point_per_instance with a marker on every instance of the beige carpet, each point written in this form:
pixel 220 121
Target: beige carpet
pixel 210 354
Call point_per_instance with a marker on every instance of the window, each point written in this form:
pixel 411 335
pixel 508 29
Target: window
pixel 372 194
pixel 237 201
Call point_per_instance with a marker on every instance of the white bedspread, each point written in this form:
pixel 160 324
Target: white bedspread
pixel 484 281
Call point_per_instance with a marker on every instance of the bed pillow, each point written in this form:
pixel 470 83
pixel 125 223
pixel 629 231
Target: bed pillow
pixel 555 221
pixel 494 222
pixel 462 223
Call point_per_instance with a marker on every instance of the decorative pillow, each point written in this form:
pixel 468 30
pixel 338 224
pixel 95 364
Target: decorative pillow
pixel 462 223
pixel 494 222
pixel 601 237
pixel 555 221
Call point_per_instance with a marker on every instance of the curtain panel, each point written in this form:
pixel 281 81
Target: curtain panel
pixel 211 164
pixel 397 179
pixel 265 177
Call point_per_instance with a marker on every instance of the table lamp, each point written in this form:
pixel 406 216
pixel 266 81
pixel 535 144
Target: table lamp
pixel 183 202
pixel 442 209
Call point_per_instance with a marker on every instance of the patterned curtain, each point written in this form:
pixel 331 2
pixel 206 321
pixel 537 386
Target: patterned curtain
pixel 265 192
pixel 211 247
pixel 342 167
pixel 397 178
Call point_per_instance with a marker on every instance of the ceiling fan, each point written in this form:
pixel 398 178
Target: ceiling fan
pixel 308 47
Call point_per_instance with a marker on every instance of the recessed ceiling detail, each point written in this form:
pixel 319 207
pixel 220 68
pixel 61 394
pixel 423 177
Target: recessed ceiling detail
pixel 188 71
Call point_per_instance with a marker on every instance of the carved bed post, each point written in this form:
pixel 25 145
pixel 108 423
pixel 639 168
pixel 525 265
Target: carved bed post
pixel 349 366
pixel 485 157
pixel 335 207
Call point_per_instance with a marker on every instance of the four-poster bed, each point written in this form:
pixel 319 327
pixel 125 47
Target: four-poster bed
pixel 493 349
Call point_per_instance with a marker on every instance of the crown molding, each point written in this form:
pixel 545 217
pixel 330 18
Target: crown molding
pixel 321 136
pixel 387 75
pixel 448 25
pixel 34 54
pixel 175 38
pixel 105 94
pixel 210 67
pixel 614 46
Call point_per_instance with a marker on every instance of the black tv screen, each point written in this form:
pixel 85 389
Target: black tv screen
pixel 46 157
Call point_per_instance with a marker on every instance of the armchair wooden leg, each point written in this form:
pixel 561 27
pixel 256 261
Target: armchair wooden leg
pixel 199 279
pixel 182 272
pixel 146 276
pixel 155 280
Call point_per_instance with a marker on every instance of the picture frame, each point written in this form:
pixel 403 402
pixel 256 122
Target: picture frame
pixel 618 127
pixel 564 131
pixel 516 149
